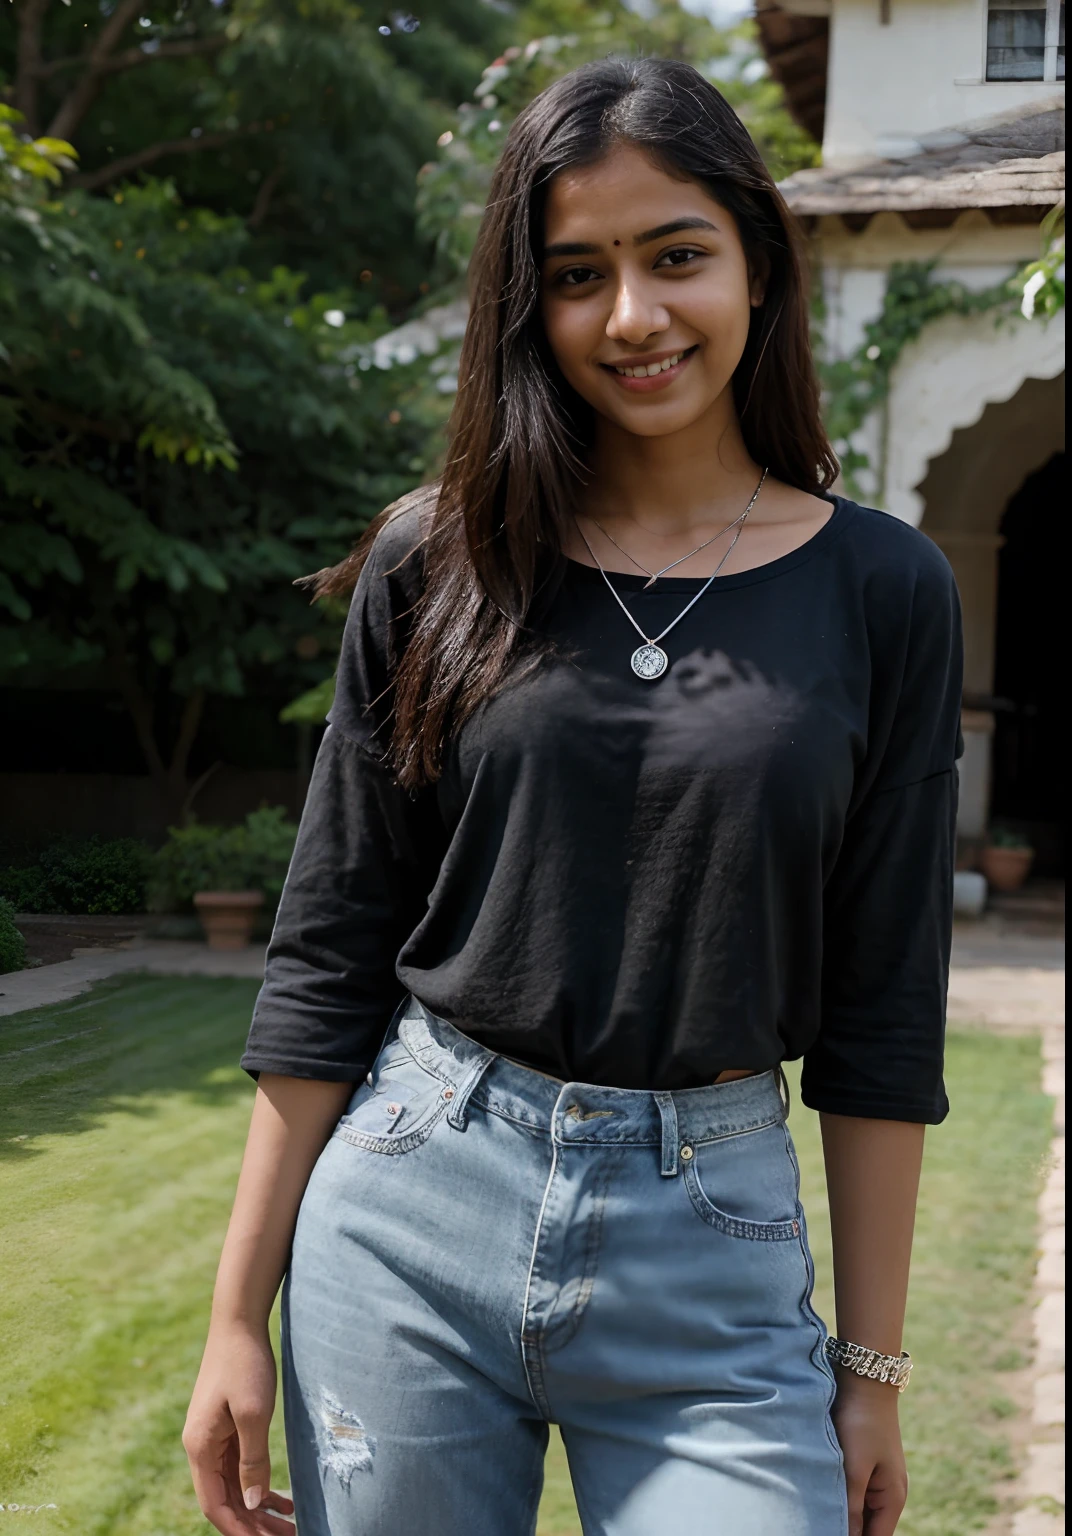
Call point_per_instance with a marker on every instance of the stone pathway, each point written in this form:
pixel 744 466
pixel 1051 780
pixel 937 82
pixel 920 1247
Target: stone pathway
pixel 48 984
pixel 1002 978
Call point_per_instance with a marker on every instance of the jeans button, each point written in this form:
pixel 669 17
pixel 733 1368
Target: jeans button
pixel 448 1093
pixel 686 1153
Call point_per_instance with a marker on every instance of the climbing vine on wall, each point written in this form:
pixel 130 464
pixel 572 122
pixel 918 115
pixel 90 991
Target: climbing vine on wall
pixel 855 387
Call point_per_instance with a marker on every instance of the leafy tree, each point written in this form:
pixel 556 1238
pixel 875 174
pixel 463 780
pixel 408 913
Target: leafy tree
pixel 184 427
pixel 178 442
pixel 182 431
pixel 306 118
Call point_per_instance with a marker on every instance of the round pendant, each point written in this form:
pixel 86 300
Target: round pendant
pixel 649 662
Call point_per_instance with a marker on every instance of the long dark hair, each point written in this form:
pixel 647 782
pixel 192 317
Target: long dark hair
pixel 494 524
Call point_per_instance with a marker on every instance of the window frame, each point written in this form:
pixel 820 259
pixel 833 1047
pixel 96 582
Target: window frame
pixel 1049 47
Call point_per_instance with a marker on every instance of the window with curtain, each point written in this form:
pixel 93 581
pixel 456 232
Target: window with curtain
pixel 1025 40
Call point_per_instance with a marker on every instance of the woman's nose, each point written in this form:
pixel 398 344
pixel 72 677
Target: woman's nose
pixel 635 317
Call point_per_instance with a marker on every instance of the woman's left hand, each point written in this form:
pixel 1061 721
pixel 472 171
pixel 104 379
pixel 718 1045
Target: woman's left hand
pixel 869 1431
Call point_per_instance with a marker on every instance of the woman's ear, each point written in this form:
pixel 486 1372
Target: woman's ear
pixel 759 268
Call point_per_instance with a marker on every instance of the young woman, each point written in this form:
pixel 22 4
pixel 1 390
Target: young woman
pixel 640 780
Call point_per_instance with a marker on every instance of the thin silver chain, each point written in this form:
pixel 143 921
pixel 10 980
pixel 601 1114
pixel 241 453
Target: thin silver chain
pixel 653 576
pixel 693 601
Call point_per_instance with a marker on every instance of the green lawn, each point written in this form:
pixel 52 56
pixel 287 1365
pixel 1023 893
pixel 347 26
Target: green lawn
pixel 123 1116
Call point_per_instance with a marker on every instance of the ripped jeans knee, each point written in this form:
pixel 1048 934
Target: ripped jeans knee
pixel 344 1444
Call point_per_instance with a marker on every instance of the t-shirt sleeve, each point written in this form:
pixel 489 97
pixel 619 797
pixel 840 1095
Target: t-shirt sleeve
pixel 888 901
pixel 359 876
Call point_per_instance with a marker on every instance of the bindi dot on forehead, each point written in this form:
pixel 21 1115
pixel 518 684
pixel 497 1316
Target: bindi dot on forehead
pixel 617 242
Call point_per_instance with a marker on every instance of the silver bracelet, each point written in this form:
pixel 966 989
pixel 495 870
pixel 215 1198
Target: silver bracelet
pixel 894 1369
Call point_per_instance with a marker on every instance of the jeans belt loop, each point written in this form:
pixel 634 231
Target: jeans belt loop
pixel 783 1090
pixel 668 1116
pixel 458 1113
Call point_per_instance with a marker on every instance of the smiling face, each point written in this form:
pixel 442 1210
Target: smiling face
pixel 646 293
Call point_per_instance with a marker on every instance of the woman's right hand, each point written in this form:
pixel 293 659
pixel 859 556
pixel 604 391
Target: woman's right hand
pixel 226 1435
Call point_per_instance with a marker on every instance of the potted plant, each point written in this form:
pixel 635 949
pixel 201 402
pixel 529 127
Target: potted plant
pixel 227 916
pixel 227 873
pixel 1006 859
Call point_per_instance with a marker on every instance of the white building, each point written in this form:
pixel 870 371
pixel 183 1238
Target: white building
pixel 942 126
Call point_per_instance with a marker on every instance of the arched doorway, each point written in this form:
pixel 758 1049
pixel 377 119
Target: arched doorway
pixel 1027 788
pixel 986 475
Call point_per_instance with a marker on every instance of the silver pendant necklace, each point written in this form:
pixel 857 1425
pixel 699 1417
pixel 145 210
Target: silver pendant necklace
pixel 653 576
pixel 649 660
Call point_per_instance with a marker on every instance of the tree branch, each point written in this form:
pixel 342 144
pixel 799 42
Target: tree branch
pixel 84 93
pixel 89 181
pixel 138 705
pixel 133 58
pixel 263 200
pixel 74 421
pixel 189 724
pixel 114 28
pixel 28 61
pixel 195 789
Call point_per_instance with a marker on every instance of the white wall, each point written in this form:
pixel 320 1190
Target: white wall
pixel 946 379
pixel 891 87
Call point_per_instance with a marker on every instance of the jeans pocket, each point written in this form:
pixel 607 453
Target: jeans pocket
pixel 745 1185
pixel 398 1106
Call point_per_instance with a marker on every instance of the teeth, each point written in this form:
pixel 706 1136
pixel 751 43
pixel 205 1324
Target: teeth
pixel 649 370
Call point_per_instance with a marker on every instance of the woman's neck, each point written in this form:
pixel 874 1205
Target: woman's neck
pixel 673 483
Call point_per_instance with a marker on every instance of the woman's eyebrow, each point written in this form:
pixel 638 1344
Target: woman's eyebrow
pixel 675 226
pixel 570 248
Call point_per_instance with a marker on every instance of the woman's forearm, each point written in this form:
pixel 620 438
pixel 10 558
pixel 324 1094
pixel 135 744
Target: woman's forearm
pixel 291 1122
pixel 872 1176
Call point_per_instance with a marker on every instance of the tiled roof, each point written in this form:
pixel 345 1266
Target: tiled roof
pixel 1001 163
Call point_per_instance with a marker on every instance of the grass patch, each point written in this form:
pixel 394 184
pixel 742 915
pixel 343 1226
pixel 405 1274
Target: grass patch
pixel 124 1116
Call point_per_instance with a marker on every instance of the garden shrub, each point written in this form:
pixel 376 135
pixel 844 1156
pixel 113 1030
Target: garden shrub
pixel 92 875
pixel 253 856
pixel 12 943
pixel 25 888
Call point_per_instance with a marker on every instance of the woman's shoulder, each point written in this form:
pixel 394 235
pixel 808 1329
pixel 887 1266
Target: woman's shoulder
pixel 381 618
pixel 391 576
pixel 396 548
pixel 898 566
pixel 902 587
pixel 891 545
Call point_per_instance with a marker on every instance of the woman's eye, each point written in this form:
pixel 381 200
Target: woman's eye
pixel 680 256
pixel 573 277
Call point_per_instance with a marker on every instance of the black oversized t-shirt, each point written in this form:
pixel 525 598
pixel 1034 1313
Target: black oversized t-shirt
pixel 639 883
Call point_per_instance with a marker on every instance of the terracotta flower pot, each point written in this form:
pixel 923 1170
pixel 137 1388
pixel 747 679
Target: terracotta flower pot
pixel 1006 869
pixel 227 916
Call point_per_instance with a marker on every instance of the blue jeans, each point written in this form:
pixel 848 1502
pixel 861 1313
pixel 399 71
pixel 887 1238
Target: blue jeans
pixel 483 1250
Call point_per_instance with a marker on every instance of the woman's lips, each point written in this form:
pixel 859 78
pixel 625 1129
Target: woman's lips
pixel 660 380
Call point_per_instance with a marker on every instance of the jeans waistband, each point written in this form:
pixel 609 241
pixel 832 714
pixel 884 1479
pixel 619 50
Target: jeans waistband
pixel 579 1114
